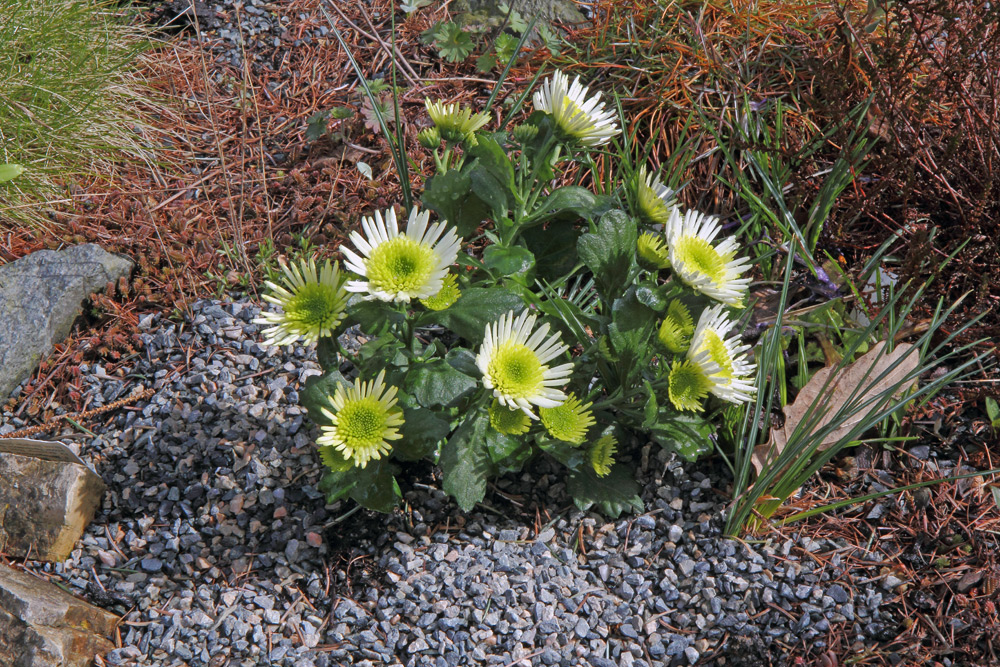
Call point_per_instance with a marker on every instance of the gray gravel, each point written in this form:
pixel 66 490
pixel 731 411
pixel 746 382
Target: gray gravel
pixel 216 542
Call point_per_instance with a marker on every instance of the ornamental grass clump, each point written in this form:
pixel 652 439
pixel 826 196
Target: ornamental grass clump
pixel 512 317
pixel 72 102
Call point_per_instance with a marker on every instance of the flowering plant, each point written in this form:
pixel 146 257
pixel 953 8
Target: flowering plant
pixel 530 318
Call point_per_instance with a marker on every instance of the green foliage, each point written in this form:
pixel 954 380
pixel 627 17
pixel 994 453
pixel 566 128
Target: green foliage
pixel 69 98
pixel 453 43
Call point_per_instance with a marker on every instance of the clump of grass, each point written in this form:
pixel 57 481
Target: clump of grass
pixel 69 98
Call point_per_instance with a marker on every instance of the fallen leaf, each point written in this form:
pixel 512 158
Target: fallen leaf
pixel 868 368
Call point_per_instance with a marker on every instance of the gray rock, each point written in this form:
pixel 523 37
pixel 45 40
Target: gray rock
pixel 41 626
pixel 45 504
pixel 40 297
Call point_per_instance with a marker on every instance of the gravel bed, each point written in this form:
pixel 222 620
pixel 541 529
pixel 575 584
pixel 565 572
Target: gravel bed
pixel 216 542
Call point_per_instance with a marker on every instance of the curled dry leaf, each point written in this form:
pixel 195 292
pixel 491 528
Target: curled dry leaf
pixel 868 371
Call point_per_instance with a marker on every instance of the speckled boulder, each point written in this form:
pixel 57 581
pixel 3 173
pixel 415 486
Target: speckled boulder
pixel 40 297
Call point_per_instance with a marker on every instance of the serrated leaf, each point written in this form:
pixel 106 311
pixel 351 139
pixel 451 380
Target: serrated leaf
pixel 450 196
pixel 317 393
pixel 315 129
pixel 491 156
pixel 508 452
pixel 437 382
pixel 554 248
pixel 476 308
pixel 375 486
pixel 465 461
pixel 327 353
pixel 453 44
pixel 432 34
pixel 422 430
pixel 336 485
pixel 610 252
pixel 568 455
pixel 463 360
pixel 613 494
pixel 690 435
pixel 505 47
pixel 485 63
pixel 567 200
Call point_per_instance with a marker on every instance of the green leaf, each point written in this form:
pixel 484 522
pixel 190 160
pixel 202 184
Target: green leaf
pixel 485 63
pixel 376 488
pixel 686 433
pixel 10 171
pixel 554 248
pixel 630 333
pixel 490 156
pixel 453 44
pixel 336 485
pixel 384 352
pixel 610 253
pixel 485 186
pixel 614 494
pixel 375 317
pixel 327 353
pixel 432 34
pixel 315 128
pixel 463 360
pixel 568 455
pixel 465 461
pixel 993 411
pixel 509 453
pixel 508 261
pixel 318 391
pixel 505 47
pixel 476 308
pixel 422 430
pixel 450 196
pixel 569 200
pixel 436 382
pixel 652 295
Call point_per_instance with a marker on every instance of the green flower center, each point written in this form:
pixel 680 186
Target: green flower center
pixel 400 265
pixel 516 370
pixel 650 204
pixel 697 254
pixel 567 422
pixel 720 355
pixel 507 421
pixel 447 296
pixel 687 386
pixel 361 423
pixel 315 305
pixel 570 112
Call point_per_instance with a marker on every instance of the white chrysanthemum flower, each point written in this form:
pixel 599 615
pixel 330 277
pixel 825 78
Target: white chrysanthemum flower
pixel 583 118
pixel 712 270
pixel 654 199
pixel 400 267
pixel 513 362
pixel 312 303
pixel 365 418
pixel 722 360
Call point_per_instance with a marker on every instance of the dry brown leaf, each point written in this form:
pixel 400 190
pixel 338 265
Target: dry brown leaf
pixel 902 361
